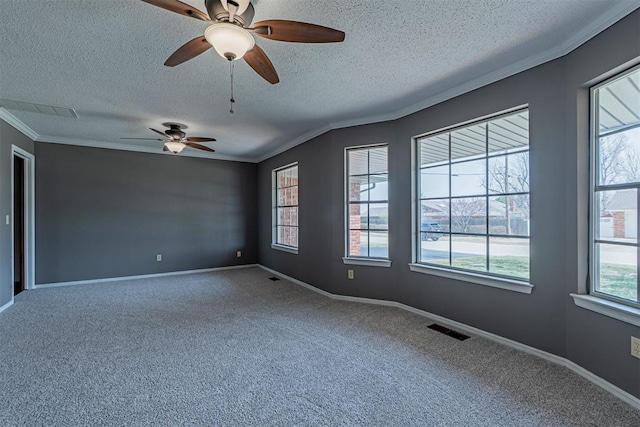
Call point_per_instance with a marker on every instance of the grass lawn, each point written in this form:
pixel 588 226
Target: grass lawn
pixel 507 265
pixel 615 279
pixel 619 280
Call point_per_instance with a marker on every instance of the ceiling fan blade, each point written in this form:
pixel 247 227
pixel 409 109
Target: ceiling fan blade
pixel 199 147
pixel 198 139
pixel 180 8
pixel 161 133
pixel 297 32
pixel 188 51
pixel 146 139
pixel 261 64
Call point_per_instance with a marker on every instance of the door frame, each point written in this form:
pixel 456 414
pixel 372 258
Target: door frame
pixel 29 217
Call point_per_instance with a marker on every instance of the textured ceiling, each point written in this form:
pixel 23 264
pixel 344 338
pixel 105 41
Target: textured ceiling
pixel 104 59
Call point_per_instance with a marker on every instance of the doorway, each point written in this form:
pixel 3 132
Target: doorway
pixel 18 225
pixel 23 214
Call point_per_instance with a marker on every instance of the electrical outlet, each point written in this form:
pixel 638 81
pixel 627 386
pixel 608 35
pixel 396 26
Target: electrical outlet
pixel 635 347
pixel 158 257
pixel 238 254
pixel 350 274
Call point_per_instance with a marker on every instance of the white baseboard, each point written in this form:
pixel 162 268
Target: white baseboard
pixel 142 276
pixel 588 375
pixel 7 305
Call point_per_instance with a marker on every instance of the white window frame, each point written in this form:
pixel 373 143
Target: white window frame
pixel 361 260
pixel 274 210
pixel 476 277
pixel 596 296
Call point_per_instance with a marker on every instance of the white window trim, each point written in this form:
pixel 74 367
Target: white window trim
pixel 478 279
pixel 274 211
pixel 370 262
pixel 283 248
pixel 510 284
pixel 594 300
pixel 615 310
pixel 353 260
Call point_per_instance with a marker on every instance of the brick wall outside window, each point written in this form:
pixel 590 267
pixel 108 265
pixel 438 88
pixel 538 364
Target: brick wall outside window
pixel 286 204
pixel 354 221
pixel 367 178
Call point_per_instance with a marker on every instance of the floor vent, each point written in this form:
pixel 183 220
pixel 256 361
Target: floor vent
pixel 450 332
pixel 52 110
pixel 273 279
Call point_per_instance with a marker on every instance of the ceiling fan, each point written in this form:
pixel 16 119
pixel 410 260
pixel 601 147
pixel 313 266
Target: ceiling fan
pixel 175 140
pixel 231 36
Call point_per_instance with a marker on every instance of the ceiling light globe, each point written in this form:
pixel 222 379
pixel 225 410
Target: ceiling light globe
pixel 174 146
pixel 229 40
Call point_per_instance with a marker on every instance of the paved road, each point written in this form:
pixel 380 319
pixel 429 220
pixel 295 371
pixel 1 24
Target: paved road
pixel 430 253
pixel 622 255
pixel 503 247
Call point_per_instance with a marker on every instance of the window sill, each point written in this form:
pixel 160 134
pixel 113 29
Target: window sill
pixel 283 248
pixel 479 279
pixel 370 262
pixel 611 309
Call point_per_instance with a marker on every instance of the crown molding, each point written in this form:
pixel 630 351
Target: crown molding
pixel 122 147
pixel 613 15
pixel 18 124
pixel 603 22
pixel 307 136
pixel 34 136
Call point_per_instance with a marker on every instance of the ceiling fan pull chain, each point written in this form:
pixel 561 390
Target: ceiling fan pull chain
pixel 232 100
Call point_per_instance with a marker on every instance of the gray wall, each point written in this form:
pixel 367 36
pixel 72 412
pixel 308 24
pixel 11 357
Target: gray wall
pixel 105 213
pixel 557 94
pixel 598 343
pixel 8 136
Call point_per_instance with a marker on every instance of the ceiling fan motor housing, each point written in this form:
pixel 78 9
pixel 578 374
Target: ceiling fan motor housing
pixel 175 133
pixel 217 12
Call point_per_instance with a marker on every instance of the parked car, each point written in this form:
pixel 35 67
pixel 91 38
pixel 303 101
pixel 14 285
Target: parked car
pixel 430 230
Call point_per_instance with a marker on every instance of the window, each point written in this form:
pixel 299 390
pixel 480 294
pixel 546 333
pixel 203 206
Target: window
pixel 285 203
pixel 615 148
pixel 472 198
pixel 367 202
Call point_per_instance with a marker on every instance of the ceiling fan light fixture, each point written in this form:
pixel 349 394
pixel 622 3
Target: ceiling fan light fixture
pixel 229 40
pixel 175 146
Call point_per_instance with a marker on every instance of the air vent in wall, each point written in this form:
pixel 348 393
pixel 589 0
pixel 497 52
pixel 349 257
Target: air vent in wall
pixel 52 110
